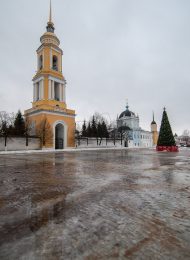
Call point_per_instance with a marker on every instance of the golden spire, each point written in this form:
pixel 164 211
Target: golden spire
pixel 50 13
pixel 50 25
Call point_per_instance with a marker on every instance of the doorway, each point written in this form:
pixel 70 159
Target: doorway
pixel 59 136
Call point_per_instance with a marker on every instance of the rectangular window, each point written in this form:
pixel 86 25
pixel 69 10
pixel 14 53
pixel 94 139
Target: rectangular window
pixel 56 91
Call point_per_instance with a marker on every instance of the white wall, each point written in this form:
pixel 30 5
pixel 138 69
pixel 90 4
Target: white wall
pixel 19 144
pixel 92 142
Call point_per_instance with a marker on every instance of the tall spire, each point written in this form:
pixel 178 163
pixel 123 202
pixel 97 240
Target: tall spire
pixel 153 121
pixel 50 13
pixel 50 25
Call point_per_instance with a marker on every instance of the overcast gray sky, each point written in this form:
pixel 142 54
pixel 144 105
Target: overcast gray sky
pixel 113 50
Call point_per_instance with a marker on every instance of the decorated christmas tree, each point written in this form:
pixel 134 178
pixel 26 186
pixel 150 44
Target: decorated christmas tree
pixel 166 141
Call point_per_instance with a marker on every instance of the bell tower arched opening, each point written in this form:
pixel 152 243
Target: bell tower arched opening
pixel 55 63
pixel 40 62
pixel 59 136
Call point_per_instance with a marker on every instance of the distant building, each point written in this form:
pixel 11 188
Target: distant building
pixel 130 131
pixel 49 110
pixel 182 140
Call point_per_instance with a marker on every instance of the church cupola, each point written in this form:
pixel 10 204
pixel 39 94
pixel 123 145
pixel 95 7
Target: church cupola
pixel 127 112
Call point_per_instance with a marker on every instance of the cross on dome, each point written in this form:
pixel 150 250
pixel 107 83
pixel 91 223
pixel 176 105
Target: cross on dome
pixel 127 105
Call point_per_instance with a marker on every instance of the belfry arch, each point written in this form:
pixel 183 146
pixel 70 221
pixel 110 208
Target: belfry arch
pixel 60 135
pixel 55 62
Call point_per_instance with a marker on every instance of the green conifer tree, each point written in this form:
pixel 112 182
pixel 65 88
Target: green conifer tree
pixel 19 125
pixel 99 130
pixel 89 130
pixel 84 129
pixel 104 130
pixel 93 127
pixel 166 137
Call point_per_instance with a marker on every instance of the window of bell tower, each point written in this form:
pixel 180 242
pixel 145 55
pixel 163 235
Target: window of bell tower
pixel 57 91
pixel 40 62
pixel 55 63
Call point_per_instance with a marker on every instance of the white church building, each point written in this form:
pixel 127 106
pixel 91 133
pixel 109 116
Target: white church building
pixel 133 135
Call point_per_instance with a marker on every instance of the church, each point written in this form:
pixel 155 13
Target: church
pixel 133 135
pixel 49 116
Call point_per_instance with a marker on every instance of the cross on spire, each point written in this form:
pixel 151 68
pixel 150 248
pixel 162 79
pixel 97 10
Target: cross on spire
pixel 127 105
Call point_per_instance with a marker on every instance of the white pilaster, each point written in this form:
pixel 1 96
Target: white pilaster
pixel 49 89
pixel 34 93
pixel 53 89
pixel 42 89
pixel 60 92
pixel 43 63
pixel 64 93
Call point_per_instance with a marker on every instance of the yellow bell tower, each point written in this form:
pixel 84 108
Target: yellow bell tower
pixel 49 97
pixel 154 131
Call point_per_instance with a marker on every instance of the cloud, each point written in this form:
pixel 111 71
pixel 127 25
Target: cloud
pixel 113 50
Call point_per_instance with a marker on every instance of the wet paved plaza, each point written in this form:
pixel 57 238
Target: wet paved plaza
pixel 122 204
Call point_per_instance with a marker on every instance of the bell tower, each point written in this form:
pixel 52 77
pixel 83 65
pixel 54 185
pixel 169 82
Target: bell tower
pixel 49 97
pixel 154 131
pixel 49 83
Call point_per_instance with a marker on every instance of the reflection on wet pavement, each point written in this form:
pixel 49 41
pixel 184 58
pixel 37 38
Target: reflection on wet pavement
pixel 122 204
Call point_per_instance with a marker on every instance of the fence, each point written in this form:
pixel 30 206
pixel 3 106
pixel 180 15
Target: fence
pixel 84 142
pixel 19 143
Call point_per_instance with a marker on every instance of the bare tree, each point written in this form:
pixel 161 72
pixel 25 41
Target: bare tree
pixel 99 118
pixel 6 124
pixel 186 136
pixel 44 131
pixel 28 128
pixel 186 132
pixel 124 131
pixel 7 117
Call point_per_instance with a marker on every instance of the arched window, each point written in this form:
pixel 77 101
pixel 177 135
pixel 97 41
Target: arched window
pixel 59 136
pixel 55 63
pixel 40 62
